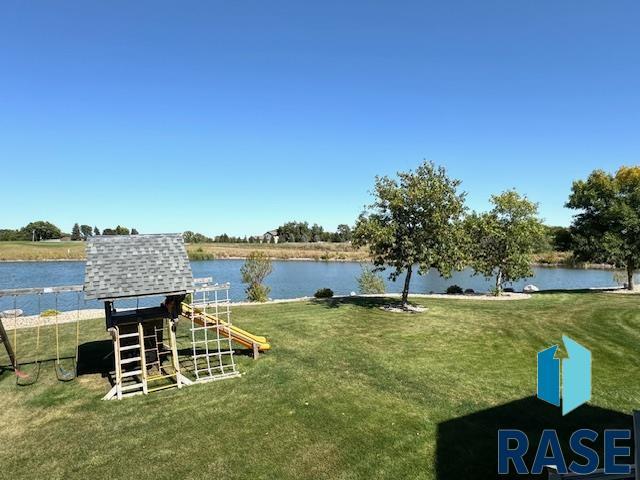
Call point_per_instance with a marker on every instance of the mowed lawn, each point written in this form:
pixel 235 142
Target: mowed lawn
pixel 348 392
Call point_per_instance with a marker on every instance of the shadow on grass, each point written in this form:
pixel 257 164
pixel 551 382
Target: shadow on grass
pixel 95 357
pixel 363 302
pixel 467 447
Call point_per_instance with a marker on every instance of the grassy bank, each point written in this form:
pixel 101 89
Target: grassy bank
pixel 348 392
pixel 30 251
pixel 41 251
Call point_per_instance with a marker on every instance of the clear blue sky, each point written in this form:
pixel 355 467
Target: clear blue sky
pixel 236 116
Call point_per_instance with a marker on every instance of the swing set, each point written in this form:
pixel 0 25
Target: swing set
pixel 145 351
pixel 27 371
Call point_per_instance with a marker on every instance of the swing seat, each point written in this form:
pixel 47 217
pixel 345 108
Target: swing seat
pixel 65 375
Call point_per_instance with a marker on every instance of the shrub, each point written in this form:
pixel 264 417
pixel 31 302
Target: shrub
pixel 255 269
pixel 324 293
pixel 257 293
pixel 454 290
pixel 469 291
pixel 370 282
pixel 49 313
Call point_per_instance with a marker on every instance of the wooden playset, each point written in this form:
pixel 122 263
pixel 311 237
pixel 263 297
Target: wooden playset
pixel 145 353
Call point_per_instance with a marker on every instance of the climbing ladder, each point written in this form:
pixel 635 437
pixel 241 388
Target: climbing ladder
pixel 130 369
pixel 140 358
pixel 210 340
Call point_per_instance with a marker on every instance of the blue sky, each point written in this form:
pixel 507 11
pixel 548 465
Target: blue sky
pixel 237 116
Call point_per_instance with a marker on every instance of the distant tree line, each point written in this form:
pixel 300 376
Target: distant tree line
pixel 42 230
pixel 35 231
pixel 302 232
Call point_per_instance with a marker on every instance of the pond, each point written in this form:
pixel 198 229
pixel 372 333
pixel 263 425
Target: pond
pixel 289 279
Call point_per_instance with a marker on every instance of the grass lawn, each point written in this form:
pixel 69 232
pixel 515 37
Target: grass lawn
pixel 348 392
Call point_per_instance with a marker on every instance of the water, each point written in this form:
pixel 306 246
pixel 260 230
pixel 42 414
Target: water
pixel 289 279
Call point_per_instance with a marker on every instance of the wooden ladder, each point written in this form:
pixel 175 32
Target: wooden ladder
pixel 130 362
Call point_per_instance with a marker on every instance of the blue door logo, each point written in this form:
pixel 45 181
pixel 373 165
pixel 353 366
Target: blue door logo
pixel 576 376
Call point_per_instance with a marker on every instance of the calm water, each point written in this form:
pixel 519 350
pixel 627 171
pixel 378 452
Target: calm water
pixel 289 279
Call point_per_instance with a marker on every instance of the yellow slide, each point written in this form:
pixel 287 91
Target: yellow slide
pixel 237 334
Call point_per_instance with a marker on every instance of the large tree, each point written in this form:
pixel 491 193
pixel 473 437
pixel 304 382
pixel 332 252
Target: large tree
pixel 502 240
pixel 607 227
pixel 414 220
pixel 40 230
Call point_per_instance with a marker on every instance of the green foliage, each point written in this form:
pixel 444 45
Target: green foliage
pixel 96 231
pixel 134 232
pixel 560 238
pixel 49 313
pixel 76 234
pixel 369 282
pixel 257 293
pixel 8 235
pixel 415 219
pixel 454 290
pixel 256 268
pixel 191 237
pixel 40 230
pixel 86 231
pixel 343 233
pixel 323 293
pixel 503 240
pixel 607 227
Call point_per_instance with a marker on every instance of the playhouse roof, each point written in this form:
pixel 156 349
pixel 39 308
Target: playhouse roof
pixel 120 266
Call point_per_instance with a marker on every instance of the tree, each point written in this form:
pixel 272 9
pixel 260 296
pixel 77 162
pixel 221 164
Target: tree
pixel 415 219
pixel 40 230
pixel 369 281
pixel 75 232
pixel 503 239
pixel 108 231
pixel 316 232
pixel 121 230
pixel 256 268
pixel 607 227
pixel 86 231
pixel 344 233
pixel 96 231
pixel 134 232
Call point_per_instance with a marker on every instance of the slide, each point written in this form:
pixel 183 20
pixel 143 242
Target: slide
pixel 237 334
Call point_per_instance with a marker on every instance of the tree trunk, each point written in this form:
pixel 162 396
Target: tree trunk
pixel 499 283
pixel 405 289
pixel 630 269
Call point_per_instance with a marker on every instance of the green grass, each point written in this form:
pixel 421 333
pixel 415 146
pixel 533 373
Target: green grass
pixel 348 392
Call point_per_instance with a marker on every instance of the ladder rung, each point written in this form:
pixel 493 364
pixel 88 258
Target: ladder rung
pixel 160 377
pixel 133 386
pixel 129 347
pixel 215 354
pixel 161 387
pixel 132 373
pixel 129 360
pixel 128 335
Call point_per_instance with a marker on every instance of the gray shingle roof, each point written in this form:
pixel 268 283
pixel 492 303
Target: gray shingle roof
pixel 136 265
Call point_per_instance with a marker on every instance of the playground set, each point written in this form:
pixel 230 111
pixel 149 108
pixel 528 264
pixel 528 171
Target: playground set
pixel 145 350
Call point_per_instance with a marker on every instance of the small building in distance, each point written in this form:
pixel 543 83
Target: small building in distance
pixel 270 237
